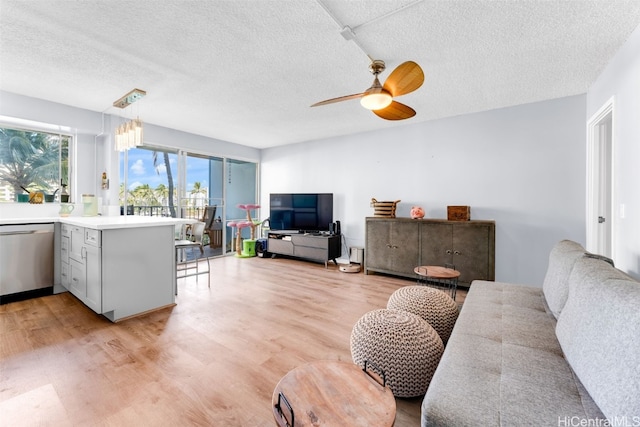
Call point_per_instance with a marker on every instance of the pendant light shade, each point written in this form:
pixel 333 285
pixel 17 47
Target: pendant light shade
pixel 131 133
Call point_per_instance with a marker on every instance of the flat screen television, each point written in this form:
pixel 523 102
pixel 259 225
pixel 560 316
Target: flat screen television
pixel 304 212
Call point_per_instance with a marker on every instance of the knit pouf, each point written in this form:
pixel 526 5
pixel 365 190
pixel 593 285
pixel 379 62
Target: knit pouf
pixel 401 344
pixel 433 305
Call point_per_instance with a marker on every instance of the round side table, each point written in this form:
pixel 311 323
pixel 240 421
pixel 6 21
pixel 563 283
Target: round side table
pixel 332 393
pixel 438 276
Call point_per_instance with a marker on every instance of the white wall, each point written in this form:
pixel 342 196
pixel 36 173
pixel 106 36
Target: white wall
pixel 523 167
pixel 621 80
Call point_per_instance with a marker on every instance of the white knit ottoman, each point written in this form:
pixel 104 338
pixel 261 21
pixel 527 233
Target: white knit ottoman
pixel 433 305
pixel 401 344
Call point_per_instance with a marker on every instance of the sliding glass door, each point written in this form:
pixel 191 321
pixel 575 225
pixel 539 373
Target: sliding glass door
pixel 163 182
pixel 217 186
pixel 203 197
pixel 241 189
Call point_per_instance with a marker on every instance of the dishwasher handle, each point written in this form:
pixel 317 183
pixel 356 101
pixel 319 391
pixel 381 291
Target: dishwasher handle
pixel 21 232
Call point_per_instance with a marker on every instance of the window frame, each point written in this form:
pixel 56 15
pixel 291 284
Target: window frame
pixel 62 132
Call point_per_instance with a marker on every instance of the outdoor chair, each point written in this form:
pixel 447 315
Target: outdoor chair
pixel 187 260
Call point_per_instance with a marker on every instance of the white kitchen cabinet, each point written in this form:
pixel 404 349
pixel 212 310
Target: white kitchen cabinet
pixel 64 232
pixel 118 270
pixel 93 271
pixel 85 266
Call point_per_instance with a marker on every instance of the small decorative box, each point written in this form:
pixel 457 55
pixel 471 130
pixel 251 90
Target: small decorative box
pixel 458 213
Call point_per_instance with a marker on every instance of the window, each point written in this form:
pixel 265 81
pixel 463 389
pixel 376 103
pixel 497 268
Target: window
pixel 32 161
pixel 150 176
pixel 156 181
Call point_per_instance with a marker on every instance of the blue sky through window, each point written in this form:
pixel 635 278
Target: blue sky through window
pixel 141 170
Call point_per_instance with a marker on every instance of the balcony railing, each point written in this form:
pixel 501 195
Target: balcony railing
pixel 196 212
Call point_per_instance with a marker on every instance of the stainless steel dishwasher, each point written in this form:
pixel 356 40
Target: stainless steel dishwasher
pixel 26 260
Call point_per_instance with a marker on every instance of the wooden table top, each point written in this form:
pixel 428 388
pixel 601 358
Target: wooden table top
pixel 436 272
pixel 332 393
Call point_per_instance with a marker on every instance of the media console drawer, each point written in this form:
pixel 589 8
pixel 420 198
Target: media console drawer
pixel 279 246
pixel 321 242
pixel 317 248
pixel 311 253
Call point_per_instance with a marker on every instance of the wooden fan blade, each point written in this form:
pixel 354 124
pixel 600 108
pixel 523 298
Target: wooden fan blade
pixel 406 78
pixel 339 99
pixel 395 111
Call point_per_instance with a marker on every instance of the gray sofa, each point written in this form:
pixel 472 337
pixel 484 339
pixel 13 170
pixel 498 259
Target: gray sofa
pixel 566 354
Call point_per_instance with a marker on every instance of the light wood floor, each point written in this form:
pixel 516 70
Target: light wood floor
pixel 211 360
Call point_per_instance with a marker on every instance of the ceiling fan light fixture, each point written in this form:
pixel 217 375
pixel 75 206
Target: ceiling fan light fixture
pixel 376 100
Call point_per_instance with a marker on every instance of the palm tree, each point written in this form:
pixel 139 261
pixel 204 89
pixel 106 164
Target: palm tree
pixel 198 189
pixel 198 203
pixel 162 194
pixel 144 195
pixel 32 159
pixel 167 165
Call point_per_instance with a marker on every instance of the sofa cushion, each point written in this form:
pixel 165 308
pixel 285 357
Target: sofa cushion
pixel 598 332
pixel 503 365
pixel 556 282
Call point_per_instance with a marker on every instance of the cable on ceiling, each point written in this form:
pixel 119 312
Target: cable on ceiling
pixel 349 33
pixel 386 15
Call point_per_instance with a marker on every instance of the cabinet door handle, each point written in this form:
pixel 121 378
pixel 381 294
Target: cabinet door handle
pixel 83 252
pixel 448 251
pixel 457 253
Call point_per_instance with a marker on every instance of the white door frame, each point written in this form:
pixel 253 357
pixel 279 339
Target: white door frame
pixel 599 186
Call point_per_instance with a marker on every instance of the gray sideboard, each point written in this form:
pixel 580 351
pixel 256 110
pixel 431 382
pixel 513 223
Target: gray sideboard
pixel 397 245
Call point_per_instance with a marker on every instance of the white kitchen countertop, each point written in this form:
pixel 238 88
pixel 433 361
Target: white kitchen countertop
pixel 100 222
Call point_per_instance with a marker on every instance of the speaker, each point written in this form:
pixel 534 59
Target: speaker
pixel 334 228
pixel 261 248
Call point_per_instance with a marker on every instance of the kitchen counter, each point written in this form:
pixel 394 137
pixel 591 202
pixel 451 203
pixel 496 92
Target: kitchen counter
pixel 99 222
pixel 118 266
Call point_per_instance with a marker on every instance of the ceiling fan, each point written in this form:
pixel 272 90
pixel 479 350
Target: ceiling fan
pixel 406 78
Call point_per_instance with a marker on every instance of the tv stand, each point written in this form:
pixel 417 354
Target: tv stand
pixel 312 246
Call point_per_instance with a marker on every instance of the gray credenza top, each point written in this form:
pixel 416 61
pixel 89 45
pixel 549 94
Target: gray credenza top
pixel 436 220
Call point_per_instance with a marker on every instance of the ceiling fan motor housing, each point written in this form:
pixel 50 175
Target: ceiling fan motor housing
pixel 377 66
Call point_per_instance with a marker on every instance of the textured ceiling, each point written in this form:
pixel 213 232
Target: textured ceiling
pixel 247 71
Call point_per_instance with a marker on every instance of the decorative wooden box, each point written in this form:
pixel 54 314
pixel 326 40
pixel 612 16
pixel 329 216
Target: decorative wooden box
pixel 458 213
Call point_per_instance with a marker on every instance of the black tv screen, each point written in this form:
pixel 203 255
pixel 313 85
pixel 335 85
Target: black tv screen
pixel 301 211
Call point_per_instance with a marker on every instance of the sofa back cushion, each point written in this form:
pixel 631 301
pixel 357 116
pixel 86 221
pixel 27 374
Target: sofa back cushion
pixel 556 282
pixel 598 331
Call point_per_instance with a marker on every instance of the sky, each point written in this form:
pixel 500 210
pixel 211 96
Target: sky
pixel 142 171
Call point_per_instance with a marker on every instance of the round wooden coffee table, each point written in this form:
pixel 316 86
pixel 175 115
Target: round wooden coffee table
pixel 331 393
pixel 438 275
